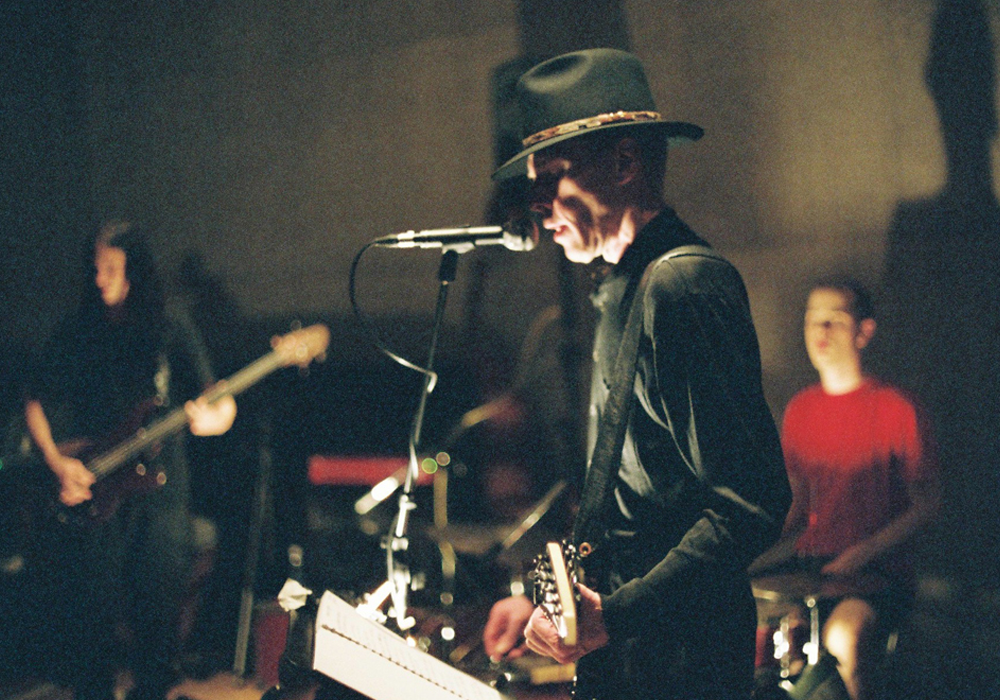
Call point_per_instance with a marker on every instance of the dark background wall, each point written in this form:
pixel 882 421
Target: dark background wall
pixel 266 142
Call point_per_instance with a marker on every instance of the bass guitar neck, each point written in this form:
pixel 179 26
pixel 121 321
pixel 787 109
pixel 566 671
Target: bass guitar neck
pixel 119 470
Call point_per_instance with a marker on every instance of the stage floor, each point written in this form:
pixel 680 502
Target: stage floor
pixel 949 650
pixel 223 686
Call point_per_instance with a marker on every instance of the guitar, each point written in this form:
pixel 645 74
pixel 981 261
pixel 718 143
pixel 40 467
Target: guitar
pixel 556 574
pixel 119 471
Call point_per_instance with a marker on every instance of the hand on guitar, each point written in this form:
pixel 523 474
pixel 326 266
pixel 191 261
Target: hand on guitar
pixel 75 479
pixel 542 637
pixel 214 418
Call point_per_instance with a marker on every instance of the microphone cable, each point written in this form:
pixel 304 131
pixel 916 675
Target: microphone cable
pixel 369 325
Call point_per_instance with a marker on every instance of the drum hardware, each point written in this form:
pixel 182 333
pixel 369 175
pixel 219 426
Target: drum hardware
pixel 790 593
pixel 507 543
pixel 788 648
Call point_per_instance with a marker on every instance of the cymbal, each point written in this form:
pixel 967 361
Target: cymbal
pixel 799 586
pixel 511 541
pixel 470 538
pixel 481 540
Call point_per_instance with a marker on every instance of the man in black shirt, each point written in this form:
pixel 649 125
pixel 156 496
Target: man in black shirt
pixel 698 489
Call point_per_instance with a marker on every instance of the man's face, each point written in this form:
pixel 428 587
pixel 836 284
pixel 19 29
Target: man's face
pixel 834 338
pixel 110 278
pixel 573 192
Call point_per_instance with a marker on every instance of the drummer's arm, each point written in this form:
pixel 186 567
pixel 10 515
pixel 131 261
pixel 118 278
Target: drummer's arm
pixel 783 551
pixel 798 513
pixel 925 499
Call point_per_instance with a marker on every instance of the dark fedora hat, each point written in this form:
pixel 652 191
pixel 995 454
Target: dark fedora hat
pixel 581 92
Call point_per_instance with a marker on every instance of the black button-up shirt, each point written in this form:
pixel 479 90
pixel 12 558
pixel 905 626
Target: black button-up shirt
pixel 702 481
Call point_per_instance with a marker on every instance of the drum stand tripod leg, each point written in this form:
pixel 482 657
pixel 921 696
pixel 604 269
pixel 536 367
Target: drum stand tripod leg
pixel 813 652
pixel 783 646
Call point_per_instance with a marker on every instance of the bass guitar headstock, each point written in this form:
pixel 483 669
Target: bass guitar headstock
pixel 555 577
pixel 302 346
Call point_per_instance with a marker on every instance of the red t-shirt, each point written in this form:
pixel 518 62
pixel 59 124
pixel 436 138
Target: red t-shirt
pixel 855 453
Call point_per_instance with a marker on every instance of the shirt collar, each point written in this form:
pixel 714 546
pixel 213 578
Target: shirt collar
pixel 663 232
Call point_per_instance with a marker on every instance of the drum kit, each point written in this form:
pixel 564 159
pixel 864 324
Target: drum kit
pixel 789 602
pixel 789 616
pixel 456 570
pixel 445 612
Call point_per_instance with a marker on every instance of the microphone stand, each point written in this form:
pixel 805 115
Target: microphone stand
pixel 396 542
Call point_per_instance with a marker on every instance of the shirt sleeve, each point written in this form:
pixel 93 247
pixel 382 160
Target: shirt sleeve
pixel 790 429
pixel 916 441
pixel 53 371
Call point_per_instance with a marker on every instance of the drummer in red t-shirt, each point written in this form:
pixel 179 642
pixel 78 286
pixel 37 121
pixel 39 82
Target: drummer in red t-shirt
pixel 863 476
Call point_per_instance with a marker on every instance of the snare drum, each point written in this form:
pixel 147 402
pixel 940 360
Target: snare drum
pixel 802 586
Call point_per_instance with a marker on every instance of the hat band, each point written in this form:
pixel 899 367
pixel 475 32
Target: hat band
pixel 590 123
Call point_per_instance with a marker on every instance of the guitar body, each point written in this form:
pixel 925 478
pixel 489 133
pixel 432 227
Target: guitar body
pixel 133 477
pixel 108 496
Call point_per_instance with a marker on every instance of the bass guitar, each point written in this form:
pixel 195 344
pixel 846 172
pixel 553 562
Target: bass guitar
pixel 119 468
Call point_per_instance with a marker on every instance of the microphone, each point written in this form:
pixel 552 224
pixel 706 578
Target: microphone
pixel 517 234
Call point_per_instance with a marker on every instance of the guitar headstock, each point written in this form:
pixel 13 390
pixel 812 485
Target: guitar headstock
pixel 302 346
pixel 554 590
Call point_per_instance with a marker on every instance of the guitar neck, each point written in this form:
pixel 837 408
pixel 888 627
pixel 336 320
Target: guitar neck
pixel 107 462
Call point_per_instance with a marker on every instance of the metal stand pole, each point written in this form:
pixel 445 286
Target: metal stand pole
pixel 396 543
pixel 261 504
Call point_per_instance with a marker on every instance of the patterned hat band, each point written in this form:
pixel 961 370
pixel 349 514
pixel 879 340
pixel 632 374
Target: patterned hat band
pixel 590 123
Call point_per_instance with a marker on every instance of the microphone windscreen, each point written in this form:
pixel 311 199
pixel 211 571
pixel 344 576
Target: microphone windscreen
pixel 523 231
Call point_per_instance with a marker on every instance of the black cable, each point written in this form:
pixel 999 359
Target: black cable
pixel 369 325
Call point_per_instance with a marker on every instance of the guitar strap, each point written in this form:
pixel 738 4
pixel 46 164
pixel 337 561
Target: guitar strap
pixel 596 497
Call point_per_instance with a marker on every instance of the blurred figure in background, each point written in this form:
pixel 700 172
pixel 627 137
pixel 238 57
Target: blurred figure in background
pixel 123 355
pixel 864 481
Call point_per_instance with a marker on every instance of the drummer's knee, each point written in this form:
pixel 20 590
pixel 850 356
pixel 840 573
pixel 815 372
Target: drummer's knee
pixel 848 629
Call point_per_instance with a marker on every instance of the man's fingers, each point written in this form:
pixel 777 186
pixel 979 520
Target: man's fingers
pixel 75 496
pixel 542 638
pixel 502 644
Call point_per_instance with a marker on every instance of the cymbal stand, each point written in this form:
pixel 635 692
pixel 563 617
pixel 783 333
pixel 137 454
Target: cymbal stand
pixel 396 543
pixel 812 648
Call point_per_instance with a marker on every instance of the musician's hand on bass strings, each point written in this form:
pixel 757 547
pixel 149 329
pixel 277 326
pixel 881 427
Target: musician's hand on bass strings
pixel 75 479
